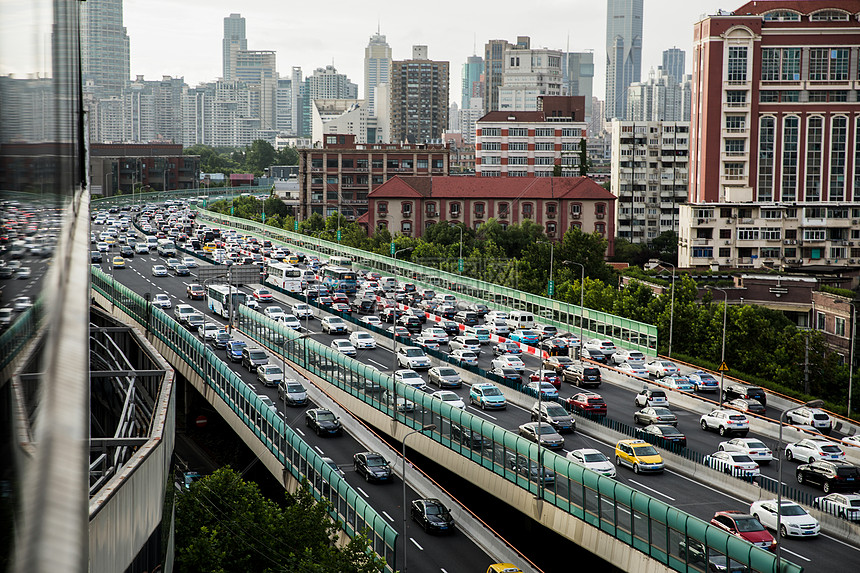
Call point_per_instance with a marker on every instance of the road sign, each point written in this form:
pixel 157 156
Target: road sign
pixel 723 367
pixel 392 247
pixel 296 225
pixel 551 288
pixel 264 217
pixel 459 265
pixel 338 235
pixel 231 210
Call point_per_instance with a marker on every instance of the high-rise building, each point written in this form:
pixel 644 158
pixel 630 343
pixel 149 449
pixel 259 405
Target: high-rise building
pixel 494 67
pixel 326 83
pixel 674 63
pixel 284 106
pixel 377 68
pixel 258 69
pixel 419 98
pixel 528 74
pixel 577 77
pixel 104 48
pixel 775 138
pixel 623 53
pixel 234 40
pixel 661 98
pixel 598 116
pixel 471 75
pixel 298 88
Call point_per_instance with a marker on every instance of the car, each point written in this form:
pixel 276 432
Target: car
pixel 95 257
pixel 208 330
pixel 557 363
pixel 545 376
pixel 663 434
pixel 655 415
pixel 467 357
pixel 587 403
pixel 291 321
pixel 842 505
pixel 325 301
pixel 651 397
pixel 339 297
pixel 547 390
pixel 449 398
pixel 553 414
pixel 412 357
pixel 504 348
pixel 363 340
pixel 162 300
pixel 141 248
pixel 195 321
pixel 554 346
pixel 594 355
pixel 450 327
pixel 794 521
pixel 704 381
pixel 606 347
pixel 428 343
pixel 234 350
pixel 753 447
pixel 746 405
pixel 102 247
pixel 323 422
pixel 487 396
pixel 344 347
pixel 702 558
pixel 222 337
pixel 812 450
pixel 725 422
pixel 437 334
pixel 159 271
pixel 341 307
pixel 7 314
pixel 372 466
pixel 829 476
pixel 638 455
pixel 497 327
pixel 182 312
pixel 546 331
pixel 525 337
pixel 543 434
pixel 371 321
pixel 195 291
pixel 745 526
pixel 251 303
pixel 529 469
pixel 506 374
pixel 274 312
pixel 509 361
pixel 432 515
pixel 582 375
pixel 734 391
pixel 252 358
pixel 814 417
pixel 172 263
pixel 400 332
pixel 363 306
pixel 292 392
pixel 632 357
pixel 444 377
pixel 410 378
pixel 679 383
pixel 733 463
pixel 660 368
pixel 333 325
pixel 632 369
pixel 270 375
pixel 466 343
pixel 181 271
pixel 592 459
pixel 262 295
pixel 117 262
pixel 190 262
pixel 390 314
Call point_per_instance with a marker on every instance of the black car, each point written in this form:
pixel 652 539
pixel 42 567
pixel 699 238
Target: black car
pixel 450 327
pixel 95 257
pixel 432 515
pixel 372 466
pixel 735 391
pixel 221 339
pixel 467 437
pixel 410 323
pixel 126 252
pixel 595 355
pixel 829 476
pixel 363 306
pixel 664 433
pixel 323 422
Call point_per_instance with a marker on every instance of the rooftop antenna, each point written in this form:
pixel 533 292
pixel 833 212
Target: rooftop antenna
pixel 378 28
pixel 475 45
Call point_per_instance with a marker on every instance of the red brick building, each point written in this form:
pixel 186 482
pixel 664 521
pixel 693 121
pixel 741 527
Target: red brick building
pixel 407 205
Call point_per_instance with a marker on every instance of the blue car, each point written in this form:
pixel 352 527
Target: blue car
pixel 548 391
pixel 525 337
pixel 703 381
pixel 678 383
pixel 234 350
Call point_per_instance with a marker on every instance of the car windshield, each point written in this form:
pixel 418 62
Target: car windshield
pixel 258 355
pixel 273 370
pixel 376 461
pixel 469 355
pixel 748 524
pixel 831 449
pixel 663 411
pixel 645 451
pixel 263 291
pixel 792 509
pixel 362 335
pixel 545 429
pixel 274 309
pixel 595 457
pixel 325 416
pixel 756 445
pixel 741 458
pixel 449 396
pixel 414 352
pixel 238 345
pixel 433 509
pixel 334 320
pixel 491 391
pixel 294 388
pixel 669 431
pixel 555 410
pixel 410 374
pixel 447 372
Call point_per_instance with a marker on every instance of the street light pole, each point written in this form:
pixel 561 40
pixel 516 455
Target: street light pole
pixel 581 303
pixel 851 354
pixel 394 344
pixel 723 353
pixel 405 511
pixel 672 304
pixel 460 260
pixel 549 291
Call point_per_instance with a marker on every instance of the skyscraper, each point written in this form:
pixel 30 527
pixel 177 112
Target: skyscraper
pixel 377 68
pixel 105 47
pixel 327 83
pixel 674 64
pixel 472 70
pixel 577 71
pixel 419 98
pixel 258 69
pixel 494 67
pixel 234 40
pixel 623 53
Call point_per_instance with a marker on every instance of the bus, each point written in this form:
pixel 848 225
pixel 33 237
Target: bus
pixel 218 299
pixel 339 279
pixel 344 262
pixel 284 276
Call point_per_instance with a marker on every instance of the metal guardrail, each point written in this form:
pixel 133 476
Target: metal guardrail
pixel 300 459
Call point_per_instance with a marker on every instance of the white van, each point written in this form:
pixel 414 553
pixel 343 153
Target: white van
pixel 520 319
pixel 152 242
pixel 388 284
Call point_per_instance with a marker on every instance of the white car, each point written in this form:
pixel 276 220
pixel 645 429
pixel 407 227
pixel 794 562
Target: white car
pixel 303 310
pixel 182 312
pixel 660 368
pixel 333 325
pixel 632 357
pixel 794 521
pixel 162 300
pixel 753 447
pixel 495 315
pixel 252 303
pixel 853 441
pixel 498 327
pixel 159 271
pixel 466 343
pixel 410 378
pixel 344 347
pixel 189 262
pixel 633 369
pixel 725 422
pixel 593 460
pixel 814 417
pixel 509 361
pixel 436 334
pixel 462 356
pixel 291 321
pixel 412 357
pixel 361 339
pixel 733 463
pixel 450 398
pixel 813 450
pixel 607 347
pixel 22 303
pixel 141 249
pixel 843 505
pixel 270 374
pixel 208 330
pixel 372 321
pixel 275 312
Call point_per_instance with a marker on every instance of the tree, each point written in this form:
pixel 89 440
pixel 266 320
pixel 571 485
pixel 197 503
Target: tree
pixel 260 156
pixel 583 157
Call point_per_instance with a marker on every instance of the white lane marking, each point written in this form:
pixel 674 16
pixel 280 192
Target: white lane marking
pixel 854 547
pixel 317 448
pixel 377 363
pixel 796 554
pixel 388 516
pixel 443 570
pixel 415 543
pixel 300 431
pixel 652 489
pixel 362 492
pixel 482 412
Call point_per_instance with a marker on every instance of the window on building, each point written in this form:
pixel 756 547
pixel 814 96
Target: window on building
pixel 454 209
pixel 771 233
pixel 491 132
pixel 771 214
pixel 422 164
pixel 317 162
pixel 790 157
pixel 518 160
pixel 768 96
pixel 782 16
pixel 551 209
pixel 430 209
pixel 331 179
pixel 438 164
pixel 331 140
pixel 839 326
pixel 406 163
pixel 733 170
pixel 600 229
pixel 545 132
pixel 725 213
pixel 838 158
pixel 770 58
pixel 814 151
pixel 769 252
pixel 377 163
pixel 406 208
pixel 736 123
pixel 790 65
pixel 331 162
pixel 518 132
pixel 820 321
pixel 725 233
pixel 703 252
pixel 857 160
pixel 544 160
pixel 735 147
pixel 528 210
pixel 382 207
pixel 829 16
pixel 736 98
pixel 814 234
pixel 406 227
pixel 725 252
pixel 747 234
pixel 392 163
pixel 576 225
pixel 503 210
pixel 767 134
pixel 377 179
pixel 550 229
pixel 544 146
pixel 479 210
pixel 518 173
pixel 737 64
pixel 491 146
pixel 361 163
pixel 600 210
pixel 518 146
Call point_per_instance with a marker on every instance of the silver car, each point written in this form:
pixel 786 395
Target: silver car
pixel 445 377
pixel 292 392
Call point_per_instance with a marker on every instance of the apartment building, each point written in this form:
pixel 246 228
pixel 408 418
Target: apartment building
pixel 532 143
pixel 158 166
pixel 338 176
pixel 649 172
pixel 418 98
pixel 776 138
pixel 528 74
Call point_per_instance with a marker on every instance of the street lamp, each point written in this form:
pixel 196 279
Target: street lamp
pixel 394 342
pixel 581 302
pixel 723 353
pixel 405 511
pixel 550 288
pixel 672 307
pixel 782 418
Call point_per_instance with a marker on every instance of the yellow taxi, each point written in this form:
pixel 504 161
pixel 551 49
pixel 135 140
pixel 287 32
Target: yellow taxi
pixel 638 455
pixel 118 263
pixel 503 568
pixel 209 247
pixel 293 259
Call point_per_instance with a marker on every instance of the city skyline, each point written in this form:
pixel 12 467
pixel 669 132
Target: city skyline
pixel 194 53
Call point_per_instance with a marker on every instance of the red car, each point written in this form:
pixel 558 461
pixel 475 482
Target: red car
pixel 588 403
pixel 546 376
pixel 195 291
pixel 746 527
pixel 262 295
pixel 340 297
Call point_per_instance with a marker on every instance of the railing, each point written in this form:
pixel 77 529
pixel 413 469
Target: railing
pixel 624 332
pixel 301 460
